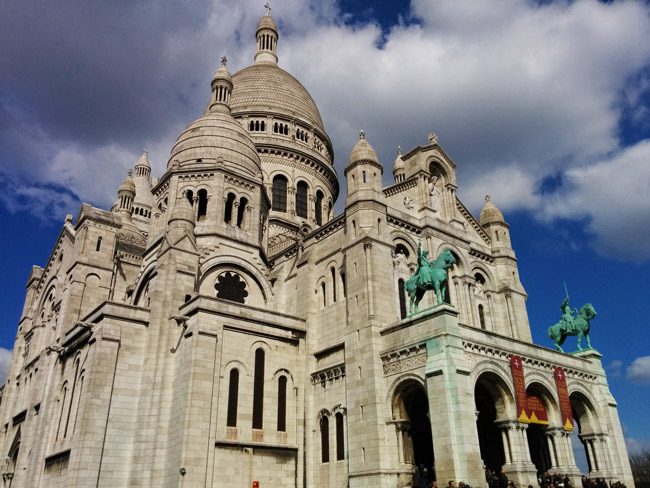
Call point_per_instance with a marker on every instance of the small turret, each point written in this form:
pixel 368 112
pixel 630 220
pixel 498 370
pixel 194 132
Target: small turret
pixel 143 166
pixel 125 196
pixel 221 89
pixel 493 222
pixel 267 39
pixel 364 169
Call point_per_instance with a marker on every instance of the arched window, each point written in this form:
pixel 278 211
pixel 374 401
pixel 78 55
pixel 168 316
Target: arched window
pixel 98 246
pixel 481 316
pixel 72 397
pixel 343 285
pixel 301 199
pixel 251 126
pixel 282 404
pixel 189 194
pixel 81 389
pixel 203 204
pixel 286 130
pixel 241 212
pixel 402 298
pixel 333 273
pixel 323 292
pixel 340 437
pixel 324 439
pixel 227 217
pixel 279 192
pixel 257 125
pixel 258 390
pixel 233 398
pixel 275 127
pixel 262 126
pixel 319 207
pixel 64 396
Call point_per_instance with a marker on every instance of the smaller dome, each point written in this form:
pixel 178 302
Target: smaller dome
pixel 362 151
pixel 127 185
pixel 490 213
pixel 267 22
pixel 217 137
pixel 182 211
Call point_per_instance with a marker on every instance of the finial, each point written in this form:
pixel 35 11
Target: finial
pixel 224 60
pixel 433 138
pixel 399 150
pixel 129 173
pixel 145 150
pixel 267 6
pixel 362 134
pixel 487 198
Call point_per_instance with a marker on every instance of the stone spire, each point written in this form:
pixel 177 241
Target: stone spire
pixel 221 89
pixel 267 39
pixel 398 166
pixel 143 165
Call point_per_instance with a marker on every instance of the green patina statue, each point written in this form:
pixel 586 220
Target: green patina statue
pixel 430 275
pixel 572 322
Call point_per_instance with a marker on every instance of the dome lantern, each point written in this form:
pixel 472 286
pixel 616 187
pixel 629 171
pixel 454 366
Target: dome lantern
pixel 267 39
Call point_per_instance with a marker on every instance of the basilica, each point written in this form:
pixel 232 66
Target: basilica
pixel 221 326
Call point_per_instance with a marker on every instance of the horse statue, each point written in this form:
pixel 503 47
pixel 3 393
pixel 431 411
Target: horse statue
pixel 571 326
pixel 430 276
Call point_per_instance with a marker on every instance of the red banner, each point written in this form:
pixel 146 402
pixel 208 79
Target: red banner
pixel 517 368
pixel 535 410
pixel 563 397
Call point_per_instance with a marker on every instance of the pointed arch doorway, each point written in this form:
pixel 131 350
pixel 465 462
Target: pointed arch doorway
pixel 411 415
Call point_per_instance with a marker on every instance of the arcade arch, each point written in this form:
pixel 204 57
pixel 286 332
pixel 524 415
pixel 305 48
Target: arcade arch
pixel 410 414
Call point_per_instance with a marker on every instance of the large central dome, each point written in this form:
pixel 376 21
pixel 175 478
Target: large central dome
pixel 265 87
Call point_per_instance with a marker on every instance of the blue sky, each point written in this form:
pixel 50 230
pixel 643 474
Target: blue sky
pixel 543 105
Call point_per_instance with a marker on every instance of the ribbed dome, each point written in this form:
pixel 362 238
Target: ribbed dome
pixel 267 88
pixel 490 213
pixel 214 137
pixel 267 22
pixel 362 151
pixel 127 185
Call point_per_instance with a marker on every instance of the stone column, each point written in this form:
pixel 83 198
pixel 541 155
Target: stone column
pixel 367 249
pixel 550 439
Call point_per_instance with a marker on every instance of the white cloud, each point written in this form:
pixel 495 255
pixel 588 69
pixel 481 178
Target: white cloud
pixel 5 363
pixel 614 368
pixel 639 370
pixel 635 446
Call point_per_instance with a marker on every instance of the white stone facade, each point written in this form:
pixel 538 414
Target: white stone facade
pixel 219 326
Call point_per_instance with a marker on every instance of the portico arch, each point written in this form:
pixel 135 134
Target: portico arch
pixel 494 400
pixel 544 413
pixel 586 420
pixel 410 414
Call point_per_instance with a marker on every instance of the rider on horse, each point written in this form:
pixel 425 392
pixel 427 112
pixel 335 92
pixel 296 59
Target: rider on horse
pixel 568 314
pixel 424 266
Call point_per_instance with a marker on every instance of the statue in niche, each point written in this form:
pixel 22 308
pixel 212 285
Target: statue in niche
pixel 408 202
pixel 479 289
pixel 434 194
pixel 400 260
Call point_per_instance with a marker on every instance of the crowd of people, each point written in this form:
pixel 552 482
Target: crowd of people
pixel 425 478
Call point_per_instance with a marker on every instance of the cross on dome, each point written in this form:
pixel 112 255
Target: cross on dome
pixel 224 60
pixel 487 198
pixel 267 6
pixel 362 134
